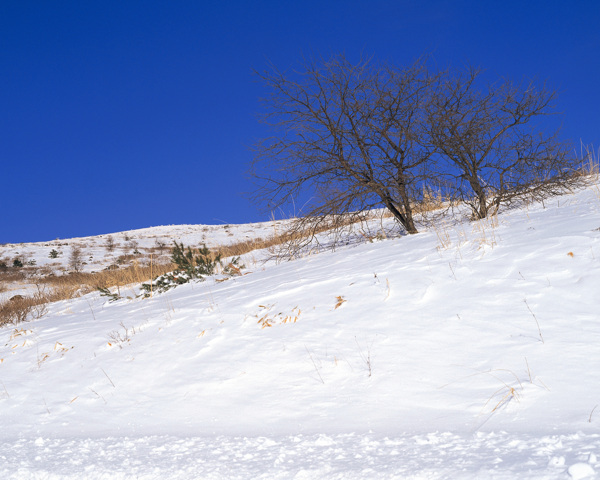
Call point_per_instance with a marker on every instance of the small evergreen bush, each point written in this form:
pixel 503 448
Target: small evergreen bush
pixel 105 292
pixel 191 265
pixel 195 264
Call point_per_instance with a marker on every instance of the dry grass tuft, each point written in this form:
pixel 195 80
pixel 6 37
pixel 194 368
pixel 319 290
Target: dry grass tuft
pixel 431 201
pixel 339 301
pixel 590 165
pixel 20 309
pixel 267 319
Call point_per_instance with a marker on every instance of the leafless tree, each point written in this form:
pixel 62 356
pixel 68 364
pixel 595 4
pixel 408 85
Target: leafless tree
pixel 347 140
pixel 160 245
pixel 76 259
pixel 352 137
pixel 494 140
pixel 110 243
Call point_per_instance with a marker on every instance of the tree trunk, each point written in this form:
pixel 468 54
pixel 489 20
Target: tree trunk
pixel 405 220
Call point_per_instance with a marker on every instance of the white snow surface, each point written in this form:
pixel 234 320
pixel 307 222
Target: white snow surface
pixel 470 350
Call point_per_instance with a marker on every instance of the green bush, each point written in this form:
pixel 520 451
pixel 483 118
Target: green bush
pixel 191 265
pixel 195 264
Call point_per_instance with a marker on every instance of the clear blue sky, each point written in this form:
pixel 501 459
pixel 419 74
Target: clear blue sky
pixel 117 115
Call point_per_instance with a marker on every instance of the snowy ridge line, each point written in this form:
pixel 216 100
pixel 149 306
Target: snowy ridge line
pixel 160 231
pixel 333 457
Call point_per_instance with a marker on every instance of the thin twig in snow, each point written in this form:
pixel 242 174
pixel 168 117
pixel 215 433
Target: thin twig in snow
pixel 536 321
pixel 591 413
pixel 111 382
pixel 314 364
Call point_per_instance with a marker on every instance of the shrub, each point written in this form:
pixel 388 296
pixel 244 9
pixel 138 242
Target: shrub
pixel 105 292
pixel 53 253
pixel 17 263
pixel 191 264
pixel 20 309
pixel 160 245
pixel 195 264
pixel 76 260
pixel 110 243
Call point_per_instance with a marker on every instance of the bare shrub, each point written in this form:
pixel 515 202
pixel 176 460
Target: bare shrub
pixel 76 259
pixel 13 312
pixel 20 309
pixel 160 245
pixel 110 243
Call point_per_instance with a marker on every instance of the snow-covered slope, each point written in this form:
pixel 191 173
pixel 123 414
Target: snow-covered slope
pixel 97 255
pixel 466 351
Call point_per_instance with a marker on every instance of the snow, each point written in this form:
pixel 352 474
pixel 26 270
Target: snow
pixel 341 456
pixel 466 351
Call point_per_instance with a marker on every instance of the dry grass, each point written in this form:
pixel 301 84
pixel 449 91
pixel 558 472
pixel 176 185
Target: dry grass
pixel 431 201
pixel 484 231
pixel 291 236
pixel 119 277
pixel 267 319
pixel 20 309
pixel 54 288
pixel 301 229
pixel 247 246
pixel 590 165
pixel 339 301
pixel 12 275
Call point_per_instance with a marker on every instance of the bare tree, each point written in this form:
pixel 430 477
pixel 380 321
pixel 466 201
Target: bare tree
pixel 354 137
pixel 347 142
pixel 493 141
pixel 76 259
pixel 161 245
pixel 110 243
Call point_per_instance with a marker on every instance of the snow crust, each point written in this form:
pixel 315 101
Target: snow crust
pixel 469 350
pixel 301 457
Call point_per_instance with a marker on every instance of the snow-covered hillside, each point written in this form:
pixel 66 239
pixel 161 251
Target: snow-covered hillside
pixel 467 351
pixel 97 255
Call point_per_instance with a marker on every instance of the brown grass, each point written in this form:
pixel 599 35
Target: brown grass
pixel 247 246
pixel 119 277
pixel 298 230
pixel 12 275
pixel 21 309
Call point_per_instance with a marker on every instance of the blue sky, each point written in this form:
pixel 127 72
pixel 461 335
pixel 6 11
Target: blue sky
pixel 117 115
